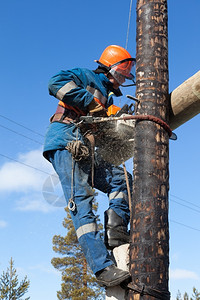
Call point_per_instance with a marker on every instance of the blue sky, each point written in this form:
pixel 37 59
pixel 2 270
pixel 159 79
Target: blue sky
pixel 39 38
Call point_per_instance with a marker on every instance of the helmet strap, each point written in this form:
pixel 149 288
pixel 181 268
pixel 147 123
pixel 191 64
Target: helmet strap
pixel 103 66
pixel 101 69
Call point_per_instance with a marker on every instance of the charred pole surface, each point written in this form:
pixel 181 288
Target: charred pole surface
pixel 149 248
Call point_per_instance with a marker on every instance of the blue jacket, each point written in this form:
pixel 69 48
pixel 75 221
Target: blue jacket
pixel 76 87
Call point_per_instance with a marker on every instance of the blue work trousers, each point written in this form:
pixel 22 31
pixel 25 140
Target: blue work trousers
pixel 108 179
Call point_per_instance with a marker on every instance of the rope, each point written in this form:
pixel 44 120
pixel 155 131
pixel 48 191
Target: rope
pixel 143 290
pixel 71 203
pixel 129 20
pixel 78 150
pixel 128 186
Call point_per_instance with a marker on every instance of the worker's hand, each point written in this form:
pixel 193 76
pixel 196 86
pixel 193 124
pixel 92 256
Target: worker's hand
pixel 96 108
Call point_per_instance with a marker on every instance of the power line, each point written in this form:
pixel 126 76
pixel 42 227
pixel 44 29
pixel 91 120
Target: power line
pixel 184 200
pixel 179 204
pixel 190 227
pixel 6 118
pixel 185 206
pixel 27 165
pixel 16 132
pixel 129 20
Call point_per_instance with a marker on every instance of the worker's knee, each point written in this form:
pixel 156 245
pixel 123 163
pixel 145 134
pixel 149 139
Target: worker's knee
pixel 86 229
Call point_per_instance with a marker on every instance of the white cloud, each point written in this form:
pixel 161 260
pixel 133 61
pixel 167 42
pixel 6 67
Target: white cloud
pixel 20 177
pixel 33 202
pixel 183 274
pixel 3 224
pixel 44 269
pixel 27 179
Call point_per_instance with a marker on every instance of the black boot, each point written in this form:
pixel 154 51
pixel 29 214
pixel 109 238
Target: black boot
pixel 111 276
pixel 116 232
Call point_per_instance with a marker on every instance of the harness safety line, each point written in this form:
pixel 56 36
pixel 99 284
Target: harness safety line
pixel 144 290
pixel 128 186
pixel 79 151
pixel 71 203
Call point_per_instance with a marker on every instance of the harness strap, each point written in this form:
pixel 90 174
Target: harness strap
pixel 60 118
pixel 65 114
pixel 77 110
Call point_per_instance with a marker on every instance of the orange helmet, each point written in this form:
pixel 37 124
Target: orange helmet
pixel 118 62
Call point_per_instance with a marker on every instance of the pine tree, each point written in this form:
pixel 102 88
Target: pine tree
pixel 78 282
pixel 195 296
pixel 185 296
pixel 10 288
pixel 178 296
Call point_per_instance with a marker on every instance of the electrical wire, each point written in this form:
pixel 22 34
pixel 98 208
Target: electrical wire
pixel 6 118
pixel 27 165
pixel 179 223
pixel 198 211
pixel 20 134
pixel 190 227
pixel 185 201
pixel 129 21
pixel 186 206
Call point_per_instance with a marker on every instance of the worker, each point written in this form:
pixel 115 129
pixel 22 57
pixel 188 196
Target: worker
pixel 83 92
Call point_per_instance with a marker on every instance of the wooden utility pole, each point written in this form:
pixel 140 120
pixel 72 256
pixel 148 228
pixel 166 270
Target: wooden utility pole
pixel 149 248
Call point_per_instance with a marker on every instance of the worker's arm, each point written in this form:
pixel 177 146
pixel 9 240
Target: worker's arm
pixel 96 108
pixel 70 87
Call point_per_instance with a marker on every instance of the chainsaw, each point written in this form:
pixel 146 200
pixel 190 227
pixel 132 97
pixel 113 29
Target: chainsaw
pixel 115 133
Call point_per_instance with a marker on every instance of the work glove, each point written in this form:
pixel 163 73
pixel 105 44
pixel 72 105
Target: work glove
pixel 96 108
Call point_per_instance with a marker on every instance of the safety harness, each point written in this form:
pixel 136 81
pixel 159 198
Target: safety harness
pixel 66 114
